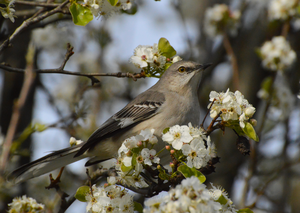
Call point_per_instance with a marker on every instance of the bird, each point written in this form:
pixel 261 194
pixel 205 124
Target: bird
pixel 173 100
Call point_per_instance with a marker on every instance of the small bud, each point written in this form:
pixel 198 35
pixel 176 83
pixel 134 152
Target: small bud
pixel 140 143
pixel 129 153
pixel 253 122
pixel 168 147
pixel 172 152
pixel 172 165
pixel 249 111
pixel 158 167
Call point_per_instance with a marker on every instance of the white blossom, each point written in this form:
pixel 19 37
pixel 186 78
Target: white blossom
pixel 111 198
pixel 149 156
pixel 197 154
pixel 148 135
pixel 234 106
pixel 177 135
pixel 190 196
pixel 176 59
pixel 8 11
pixel 104 8
pixel 25 204
pixel 277 54
pixel 220 19
pixel 282 9
pixel 74 142
pixel 148 57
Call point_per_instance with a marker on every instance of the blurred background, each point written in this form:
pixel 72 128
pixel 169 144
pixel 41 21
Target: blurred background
pixel 267 180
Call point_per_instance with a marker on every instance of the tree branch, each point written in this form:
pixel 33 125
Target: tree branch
pixel 37 4
pixel 233 61
pixel 28 80
pixel 32 20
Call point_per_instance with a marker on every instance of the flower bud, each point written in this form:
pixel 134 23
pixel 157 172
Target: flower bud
pixel 129 153
pixel 253 122
pixel 249 111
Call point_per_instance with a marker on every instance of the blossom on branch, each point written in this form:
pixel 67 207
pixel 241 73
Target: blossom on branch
pixel 234 106
pixel 25 204
pixel 110 198
pixel 282 9
pixel 8 11
pixel 104 8
pixel 277 54
pixel 190 196
pixel 220 19
pixel 155 59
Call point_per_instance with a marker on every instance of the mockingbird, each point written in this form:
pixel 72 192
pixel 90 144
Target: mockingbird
pixel 172 100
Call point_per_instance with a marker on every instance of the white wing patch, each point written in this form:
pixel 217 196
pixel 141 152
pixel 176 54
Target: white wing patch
pixel 125 122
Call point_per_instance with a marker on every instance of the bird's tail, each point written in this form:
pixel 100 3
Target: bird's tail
pixel 55 160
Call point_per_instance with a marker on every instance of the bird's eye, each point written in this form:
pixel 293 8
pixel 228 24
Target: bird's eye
pixel 181 69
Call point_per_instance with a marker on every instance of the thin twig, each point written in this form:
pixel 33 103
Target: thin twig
pixel 285 28
pixel 38 4
pixel 28 80
pixel 33 20
pixel 134 76
pixel 202 124
pixel 234 64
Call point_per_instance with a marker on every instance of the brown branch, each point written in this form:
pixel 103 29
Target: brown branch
pixel 202 124
pixel 37 4
pixel 285 28
pixel 32 20
pixel 94 179
pixel 211 126
pixel 28 80
pixel 233 60
pixel 134 76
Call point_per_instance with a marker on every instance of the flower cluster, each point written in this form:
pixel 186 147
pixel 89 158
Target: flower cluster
pixel 220 19
pixel 104 8
pixel 8 11
pixel 282 9
pixel 190 196
pixel 277 54
pixel 74 142
pixel 110 198
pixel 150 58
pixel 25 204
pixel 194 144
pixel 234 106
pixel 133 155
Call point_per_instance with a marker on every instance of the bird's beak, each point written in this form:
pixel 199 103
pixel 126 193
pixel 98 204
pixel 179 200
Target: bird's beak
pixel 203 66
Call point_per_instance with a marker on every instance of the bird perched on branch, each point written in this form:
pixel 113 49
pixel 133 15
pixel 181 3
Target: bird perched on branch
pixel 172 100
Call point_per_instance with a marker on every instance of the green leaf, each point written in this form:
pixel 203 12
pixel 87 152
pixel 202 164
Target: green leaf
pixel 134 159
pixel 113 2
pixel 125 168
pixel 166 130
pixel 250 131
pixel 222 200
pixel 81 192
pixel 167 65
pixel 81 15
pixel 165 48
pixel 163 175
pixel 189 172
pixel 267 84
pixel 138 207
pixel 246 210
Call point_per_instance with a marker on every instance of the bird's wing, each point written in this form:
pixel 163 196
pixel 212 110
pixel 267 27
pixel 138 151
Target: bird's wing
pixel 126 118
